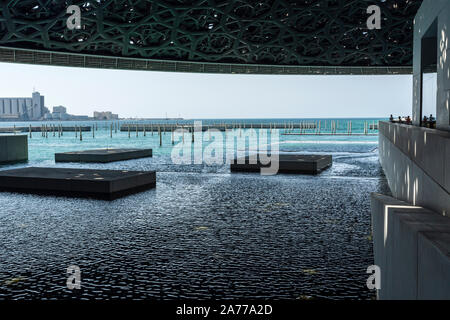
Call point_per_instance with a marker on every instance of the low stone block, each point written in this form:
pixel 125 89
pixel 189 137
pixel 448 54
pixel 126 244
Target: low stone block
pixel 309 164
pixel 13 148
pixel 101 184
pixel 102 155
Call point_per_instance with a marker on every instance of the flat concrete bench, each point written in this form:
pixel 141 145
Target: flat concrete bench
pixel 100 184
pixel 13 148
pixel 102 155
pixel 412 248
pixel 288 163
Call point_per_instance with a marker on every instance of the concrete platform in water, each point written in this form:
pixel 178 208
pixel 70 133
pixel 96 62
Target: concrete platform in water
pixel 13 148
pixel 288 163
pixel 102 155
pixel 100 184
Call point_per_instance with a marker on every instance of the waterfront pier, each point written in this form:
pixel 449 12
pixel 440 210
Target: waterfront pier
pixel 319 127
pixel 45 129
pixel 167 127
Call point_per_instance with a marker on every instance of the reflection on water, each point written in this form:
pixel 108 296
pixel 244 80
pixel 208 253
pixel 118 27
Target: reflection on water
pixel 201 233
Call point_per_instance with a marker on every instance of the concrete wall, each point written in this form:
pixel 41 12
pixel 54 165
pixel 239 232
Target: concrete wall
pixel 13 148
pixel 429 12
pixel 416 162
pixel 412 249
pixel 412 242
pixel 411 232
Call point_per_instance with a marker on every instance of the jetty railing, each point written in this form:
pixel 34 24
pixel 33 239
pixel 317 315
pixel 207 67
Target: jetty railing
pixel 321 127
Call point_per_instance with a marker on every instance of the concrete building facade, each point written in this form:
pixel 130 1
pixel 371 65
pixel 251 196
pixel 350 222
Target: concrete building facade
pixel 23 108
pixel 59 113
pixel 105 115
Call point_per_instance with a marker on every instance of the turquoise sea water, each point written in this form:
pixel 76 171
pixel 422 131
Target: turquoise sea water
pixel 41 150
pixel 203 232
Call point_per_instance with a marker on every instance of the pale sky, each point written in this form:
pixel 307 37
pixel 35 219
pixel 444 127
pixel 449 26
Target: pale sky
pixel 150 94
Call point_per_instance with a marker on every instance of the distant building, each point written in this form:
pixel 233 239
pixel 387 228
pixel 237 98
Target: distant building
pixel 107 115
pixel 60 113
pixel 59 109
pixel 23 108
pixel 79 118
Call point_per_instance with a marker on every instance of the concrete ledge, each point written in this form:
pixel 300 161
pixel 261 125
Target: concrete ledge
pixel 13 148
pixel 396 228
pixel 408 181
pixel 382 208
pixel 102 155
pixel 427 148
pixel 309 164
pixel 101 184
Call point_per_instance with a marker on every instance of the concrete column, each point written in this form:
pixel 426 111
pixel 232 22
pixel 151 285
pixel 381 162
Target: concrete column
pixel 443 70
pixel 430 12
